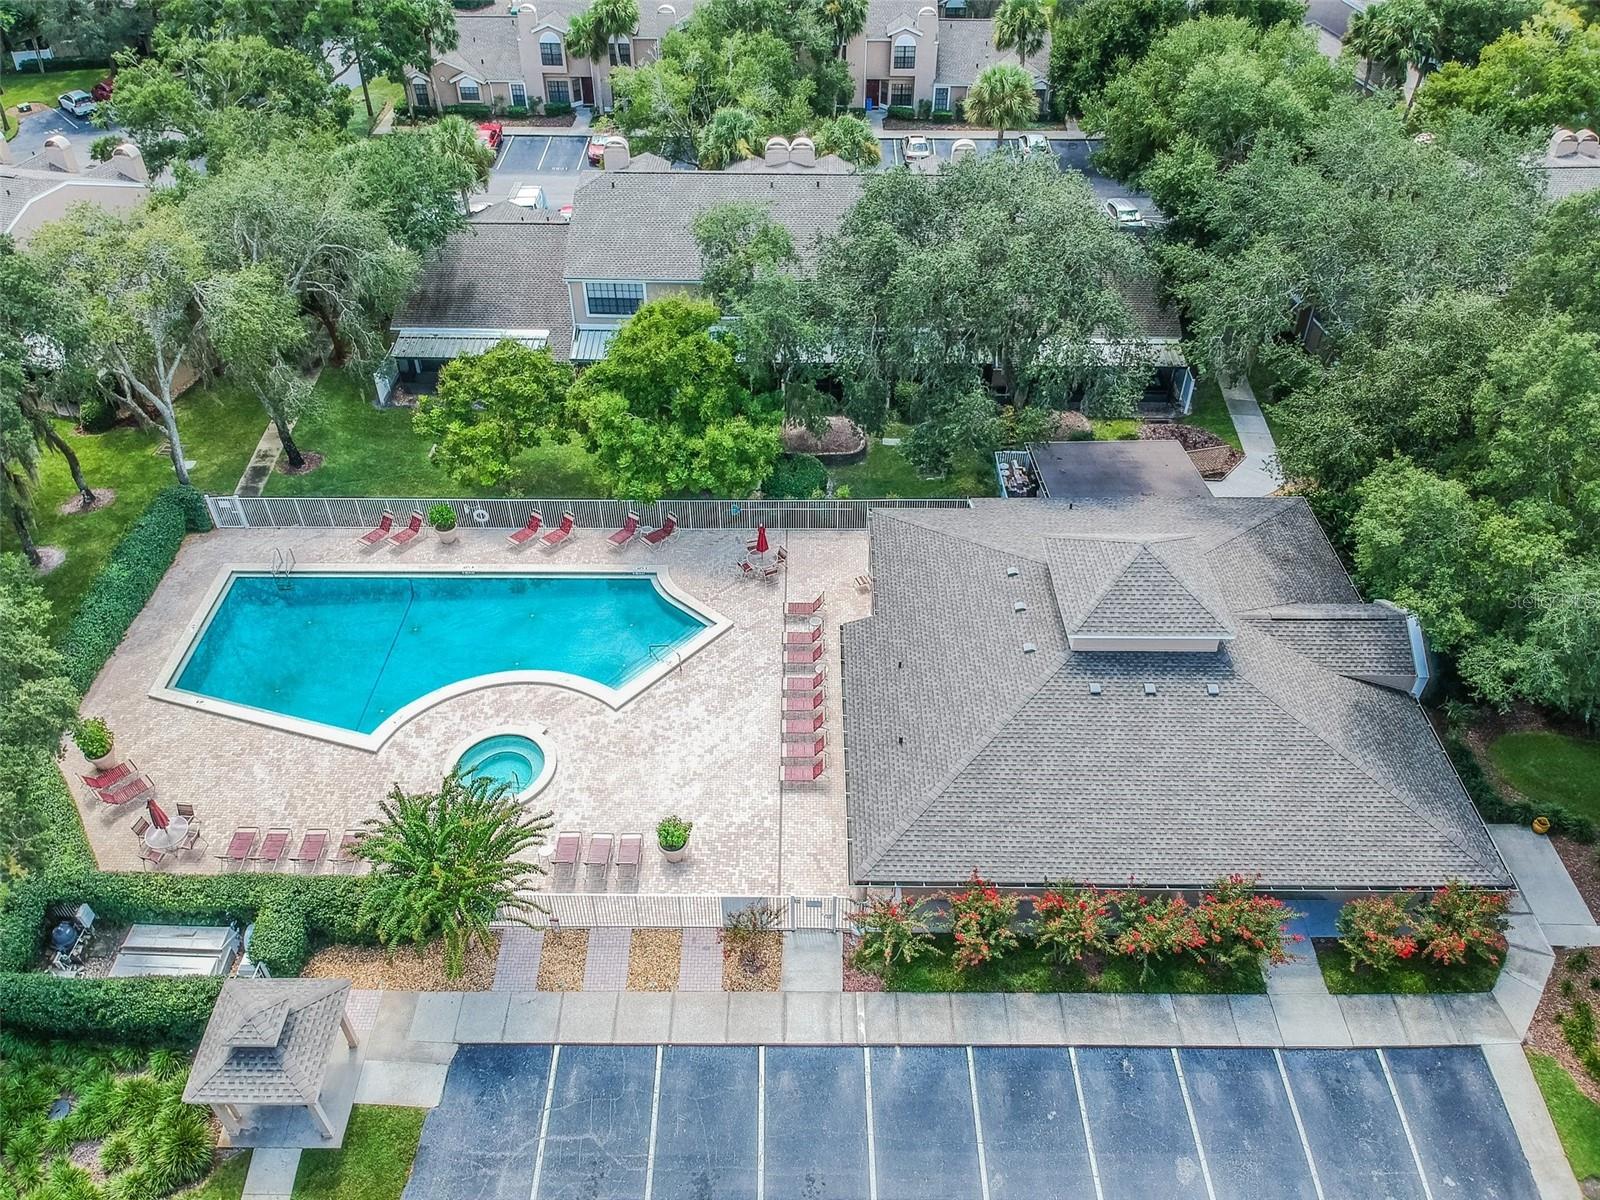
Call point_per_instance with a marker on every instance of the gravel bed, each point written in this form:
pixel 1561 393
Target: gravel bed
pixel 654 956
pixel 766 978
pixel 562 960
pixel 855 979
pixel 405 970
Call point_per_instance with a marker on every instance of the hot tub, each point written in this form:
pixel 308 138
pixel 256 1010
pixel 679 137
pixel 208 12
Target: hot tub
pixel 519 759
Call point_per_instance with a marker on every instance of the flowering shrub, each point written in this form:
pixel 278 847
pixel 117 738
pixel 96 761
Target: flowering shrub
pixel 1072 921
pixel 1240 925
pixel 1156 927
pixel 982 919
pixel 1375 931
pixel 1460 923
pixel 892 931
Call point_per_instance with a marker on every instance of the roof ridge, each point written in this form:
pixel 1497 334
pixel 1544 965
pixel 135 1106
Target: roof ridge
pixel 1088 607
pixel 1224 618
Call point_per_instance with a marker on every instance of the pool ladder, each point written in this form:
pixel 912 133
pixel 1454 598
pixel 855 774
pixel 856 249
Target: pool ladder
pixel 663 651
pixel 282 568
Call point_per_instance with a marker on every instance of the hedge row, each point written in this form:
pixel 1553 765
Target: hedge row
pixel 152 1011
pixel 796 477
pixel 1495 808
pixel 124 585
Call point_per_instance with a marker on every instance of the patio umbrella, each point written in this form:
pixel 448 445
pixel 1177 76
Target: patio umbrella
pixel 761 539
pixel 158 815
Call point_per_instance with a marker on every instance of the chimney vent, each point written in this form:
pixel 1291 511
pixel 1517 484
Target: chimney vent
pixel 1213 690
pixel 776 153
pixel 1149 689
pixel 1095 689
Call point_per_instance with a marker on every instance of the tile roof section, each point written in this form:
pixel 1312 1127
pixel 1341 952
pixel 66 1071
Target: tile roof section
pixel 267 1042
pixel 967 46
pixel 486 47
pixel 962 751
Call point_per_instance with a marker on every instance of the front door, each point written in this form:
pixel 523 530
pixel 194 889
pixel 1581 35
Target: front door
pixel 583 89
pixel 877 93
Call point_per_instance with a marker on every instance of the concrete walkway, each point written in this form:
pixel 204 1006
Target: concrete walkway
pixel 271 1174
pixel 1258 474
pixel 262 463
pixel 1546 887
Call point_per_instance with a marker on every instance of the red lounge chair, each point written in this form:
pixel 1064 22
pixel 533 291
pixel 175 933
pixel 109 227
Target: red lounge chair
pixel 803 772
pixel 239 846
pixel 599 852
pixel 802 702
pixel 561 534
pixel 529 530
pixel 629 531
pixel 803 683
pixel 803 751
pixel 796 656
pixel 668 527
pixel 132 790
pixel 412 531
pixel 272 848
pixel 110 777
pixel 312 847
pixel 630 851
pixel 803 637
pixel 803 608
pixel 566 854
pixel 793 726
pixel 381 533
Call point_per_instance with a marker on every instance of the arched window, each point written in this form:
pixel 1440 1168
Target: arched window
pixel 550 50
pixel 905 53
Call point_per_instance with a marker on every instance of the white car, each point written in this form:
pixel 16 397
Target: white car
pixel 1029 144
pixel 1125 214
pixel 77 104
pixel 916 147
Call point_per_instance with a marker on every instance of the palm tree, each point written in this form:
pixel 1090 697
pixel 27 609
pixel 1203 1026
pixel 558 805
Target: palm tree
pixel 457 142
pixel 1001 96
pixel 848 18
pixel 730 136
pixel 852 139
pixel 590 32
pixel 447 863
pixel 1397 34
pixel 1021 25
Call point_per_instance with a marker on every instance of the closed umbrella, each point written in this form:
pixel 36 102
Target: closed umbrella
pixel 158 815
pixel 761 539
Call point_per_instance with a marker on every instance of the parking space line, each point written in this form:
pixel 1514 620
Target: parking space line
pixel 977 1126
pixel 655 1114
pixel 761 1122
pixel 542 153
pixel 1299 1125
pixel 1194 1126
pixel 1405 1125
pixel 872 1153
pixel 1083 1114
pixel 544 1121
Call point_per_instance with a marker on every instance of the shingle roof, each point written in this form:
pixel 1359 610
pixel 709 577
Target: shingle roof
pixel 965 750
pixel 486 47
pixel 640 224
pixel 267 1042
pixel 502 272
pixel 966 47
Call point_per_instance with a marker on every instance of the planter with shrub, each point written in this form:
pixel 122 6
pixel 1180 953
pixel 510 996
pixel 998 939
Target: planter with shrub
pixel 672 835
pixel 95 740
pixel 443 519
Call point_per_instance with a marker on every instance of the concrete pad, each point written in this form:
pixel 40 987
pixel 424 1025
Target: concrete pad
pixel 482 1017
pixel 817 1018
pixel 1035 1020
pixel 1518 1000
pixel 271 1173
pixel 1476 1017
pixel 1307 1020
pixel 1148 1020
pixel 643 1018
pixel 1542 877
pixel 926 1020
pixel 1573 935
pixel 813 961
pixel 1530 966
pixel 532 1016
pixel 1299 976
pixel 1205 1021
pixel 1091 1020
pixel 1372 1020
pixel 1531 1119
pixel 882 1017
pixel 979 1019
pixel 1255 1020
pixel 755 1018
pixel 587 1017
pixel 699 1018
pixel 434 1018
pixel 405 1084
pixel 1422 1021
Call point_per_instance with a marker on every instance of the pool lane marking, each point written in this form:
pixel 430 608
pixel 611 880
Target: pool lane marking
pixel 761 1122
pixel 1194 1126
pixel 544 1121
pixel 1405 1125
pixel 1083 1115
pixel 977 1126
pixel 872 1154
pixel 1299 1125
pixel 655 1111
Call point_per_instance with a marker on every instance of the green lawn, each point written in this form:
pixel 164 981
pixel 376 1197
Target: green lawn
pixel 219 427
pixel 1406 980
pixel 28 86
pixel 886 472
pixel 1576 1117
pixel 1027 969
pixel 1116 431
pixel 1210 411
pixel 1551 768
pixel 225 1183
pixel 373 1163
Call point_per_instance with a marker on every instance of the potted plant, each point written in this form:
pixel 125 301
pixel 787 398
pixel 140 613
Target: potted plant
pixel 94 738
pixel 672 835
pixel 443 519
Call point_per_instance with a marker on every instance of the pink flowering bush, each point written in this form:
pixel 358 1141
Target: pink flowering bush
pixel 982 919
pixel 1375 932
pixel 1071 922
pixel 1156 927
pixel 893 932
pixel 1238 925
pixel 1461 923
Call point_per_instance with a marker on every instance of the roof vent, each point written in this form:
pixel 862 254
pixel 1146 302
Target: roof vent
pixel 1213 690
pixel 1012 572
pixel 1029 648
pixel 1149 689
pixel 1019 606
pixel 1095 689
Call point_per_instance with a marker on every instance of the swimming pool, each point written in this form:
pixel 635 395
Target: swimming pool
pixel 518 760
pixel 352 655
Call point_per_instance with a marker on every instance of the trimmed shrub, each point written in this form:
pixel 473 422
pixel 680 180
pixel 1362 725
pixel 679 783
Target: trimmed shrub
pixel 516 110
pixel 796 477
pixel 150 1010
pixel 902 112
pixel 924 109
pixel 126 582
pixel 96 412
pixel 943 116
pixel 558 110
pixel 472 112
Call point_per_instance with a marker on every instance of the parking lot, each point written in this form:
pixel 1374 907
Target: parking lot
pixel 33 128
pixel 958 1123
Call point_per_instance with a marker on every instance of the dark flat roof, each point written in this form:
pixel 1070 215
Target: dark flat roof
pixel 1116 470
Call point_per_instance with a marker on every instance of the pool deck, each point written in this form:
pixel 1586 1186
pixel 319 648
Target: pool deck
pixel 703 742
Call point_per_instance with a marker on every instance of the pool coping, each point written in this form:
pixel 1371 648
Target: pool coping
pixel 613 698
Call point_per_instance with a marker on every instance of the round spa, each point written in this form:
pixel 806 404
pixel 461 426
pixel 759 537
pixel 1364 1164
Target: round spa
pixel 520 759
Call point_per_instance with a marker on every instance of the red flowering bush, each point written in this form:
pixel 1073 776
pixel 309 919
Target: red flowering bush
pixel 1375 931
pixel 982 918
pixel 1070 922
pixel 1461 923
pixel 1239 925
pixel 1156 927
pixel 892 931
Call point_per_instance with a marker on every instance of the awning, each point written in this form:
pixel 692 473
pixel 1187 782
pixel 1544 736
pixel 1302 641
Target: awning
pixel 445 346
pixel 589 345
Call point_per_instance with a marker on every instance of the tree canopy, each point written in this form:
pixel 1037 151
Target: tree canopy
pixel 489 408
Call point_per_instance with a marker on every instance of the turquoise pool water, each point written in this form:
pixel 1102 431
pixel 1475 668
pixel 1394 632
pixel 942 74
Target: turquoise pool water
pixel 351 650
pixel 503 758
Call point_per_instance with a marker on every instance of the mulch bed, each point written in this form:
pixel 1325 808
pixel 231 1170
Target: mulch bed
pixel 1545 1035
pixel 1219 457
pixel 562 959
pixel 405 970
pixel 766 977
pixel 855 979
pixel 654 956
pixel 313 460
pixel 50 557
pixel 1583 864
pixel 104 497
pixel 842 436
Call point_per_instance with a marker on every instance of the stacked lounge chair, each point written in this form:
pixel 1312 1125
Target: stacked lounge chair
pixel 804 649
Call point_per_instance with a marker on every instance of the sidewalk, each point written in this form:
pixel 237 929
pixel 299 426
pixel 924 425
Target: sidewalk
pixel 1545 886
pixel 1258 474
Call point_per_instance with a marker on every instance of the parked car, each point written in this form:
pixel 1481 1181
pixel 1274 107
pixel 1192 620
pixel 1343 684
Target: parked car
pixel 77 104
pixel 102 90
pixel 1125 214
pixel 1028 144
pixel 565 212
pixel 917 147
pixel 597 147
pixel 490 133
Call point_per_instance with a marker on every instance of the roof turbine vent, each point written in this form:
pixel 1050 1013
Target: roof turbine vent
pixel 1019 606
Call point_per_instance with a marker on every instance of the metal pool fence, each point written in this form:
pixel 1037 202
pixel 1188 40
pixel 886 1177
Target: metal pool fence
pixel 333 512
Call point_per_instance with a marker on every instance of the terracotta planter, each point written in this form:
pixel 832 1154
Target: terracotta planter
pixel 677 855
pixel 108 759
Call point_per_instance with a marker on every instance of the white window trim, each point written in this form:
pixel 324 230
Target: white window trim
pixel 513 88
pixel 644 297
pixel 556 40
pixel 945 107
pixel 477 90
pixel 901 41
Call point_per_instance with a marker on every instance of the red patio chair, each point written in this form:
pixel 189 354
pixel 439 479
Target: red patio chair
pixel 598 853
pixel 381 533
pixel 629 531
pixel 798 702
pixel 412 531
pixel 804 656
pixel 191 838
pixel 273 847
pixel 803 637
pixel 239 846
pixel 312 847
pixel 110 777
pixel 562 533
pixel 802 683
pixel 184 810
pixel 803 772
pixel 630 851
pixel 746 571
pixel 151 856
pixel 770 573
pixel 529 530
pixel 803 608
pixel 566 852
pixel 802 725
pixel 131 790
pixel 668 527
pixel 346 853
pixel 803 751
pixel 141 827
